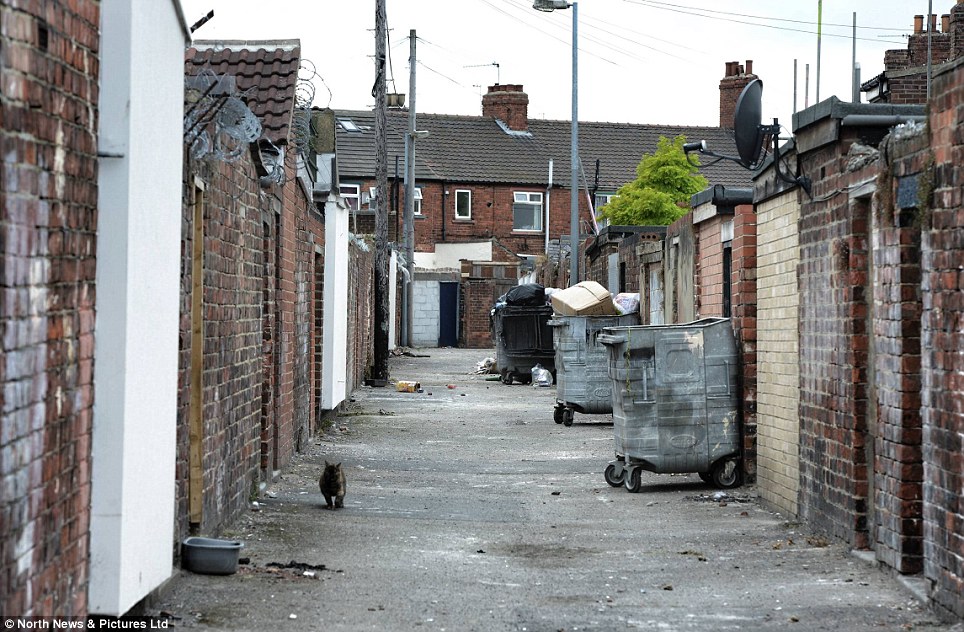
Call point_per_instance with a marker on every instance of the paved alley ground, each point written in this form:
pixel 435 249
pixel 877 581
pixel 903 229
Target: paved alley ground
pixel 469 509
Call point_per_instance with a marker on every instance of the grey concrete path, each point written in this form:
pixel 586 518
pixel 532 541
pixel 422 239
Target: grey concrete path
pixel 469 509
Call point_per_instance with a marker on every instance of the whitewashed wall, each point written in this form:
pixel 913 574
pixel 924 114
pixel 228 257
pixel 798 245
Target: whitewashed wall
pixel 138 279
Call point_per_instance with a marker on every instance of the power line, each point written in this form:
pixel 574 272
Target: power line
pixel 704 13
pixel 764 17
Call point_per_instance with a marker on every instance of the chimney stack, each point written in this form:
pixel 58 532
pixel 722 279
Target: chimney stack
pixel 737 77
pixel 509 104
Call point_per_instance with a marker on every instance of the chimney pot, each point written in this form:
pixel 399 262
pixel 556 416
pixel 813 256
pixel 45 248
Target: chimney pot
pixel 918 24
pixel 932 18
pixel 749 66
pixel 946 23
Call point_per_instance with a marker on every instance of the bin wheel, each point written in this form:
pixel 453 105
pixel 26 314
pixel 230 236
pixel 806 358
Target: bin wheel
pixel 726 474
pixel 614 479
pixel 567 416
pixel 525 379
pixel 557 414
pixel 706 477
pixel 634 480
pixel 506 377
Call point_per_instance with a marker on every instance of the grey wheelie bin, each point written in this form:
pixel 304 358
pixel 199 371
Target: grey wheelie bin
pixel 582 365
pixel 523 339
pixel 675 401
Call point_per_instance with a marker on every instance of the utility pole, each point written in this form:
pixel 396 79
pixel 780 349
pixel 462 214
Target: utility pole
pixel 410 193
pixel 379 370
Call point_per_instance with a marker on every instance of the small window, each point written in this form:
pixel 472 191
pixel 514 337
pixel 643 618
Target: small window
pixel 372 193
pixel 350 194
pixel 348 125
pixel 417 200
pixel 463 204
pixel 526 211
pixel 601 200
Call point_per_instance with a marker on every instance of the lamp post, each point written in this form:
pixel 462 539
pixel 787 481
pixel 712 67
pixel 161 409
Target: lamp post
pixel 552 5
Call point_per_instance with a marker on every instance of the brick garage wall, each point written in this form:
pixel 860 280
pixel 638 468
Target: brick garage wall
pixel 233 278
pixel 709 266
pixel 744 320
pixel 482 284
pixel 361 274
pixel 942 364
pixel 896 359
pixel 833 277
pixel 298 272
pixel 48 228
pixel 778 423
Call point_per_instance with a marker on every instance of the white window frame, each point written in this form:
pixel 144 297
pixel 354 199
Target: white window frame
pixel 602 222
pixel 417 201
pixel 351 194
pixel 529 198
pixel 459 192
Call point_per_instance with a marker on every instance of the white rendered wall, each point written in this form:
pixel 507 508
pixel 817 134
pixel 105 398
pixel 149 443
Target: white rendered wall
pixel 448 256
pixel 334 369
pixel 138 288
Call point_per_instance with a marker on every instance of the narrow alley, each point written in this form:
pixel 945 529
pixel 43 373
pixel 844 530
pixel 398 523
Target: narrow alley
pixel 467 508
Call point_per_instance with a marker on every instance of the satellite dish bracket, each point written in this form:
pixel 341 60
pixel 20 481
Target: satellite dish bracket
pixel 773 132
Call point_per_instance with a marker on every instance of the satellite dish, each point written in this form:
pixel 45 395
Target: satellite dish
pixel 747 130
pixel 749 133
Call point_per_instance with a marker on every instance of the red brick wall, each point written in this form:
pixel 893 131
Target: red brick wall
pixel 48 229
pixel 361 306
pixel 895 368
pixel 942 339
pixel 482 284
pixel 833 350
pixel 743 301
pixel 709 278
pixel 232 378
pixel 491 216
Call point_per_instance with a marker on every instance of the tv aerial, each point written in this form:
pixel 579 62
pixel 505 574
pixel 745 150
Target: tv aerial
pixel 750 135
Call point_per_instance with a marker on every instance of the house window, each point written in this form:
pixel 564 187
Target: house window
pixel 417 201
pixel 350 194
pixel 526 211
pixel 463 204
pixel 600 200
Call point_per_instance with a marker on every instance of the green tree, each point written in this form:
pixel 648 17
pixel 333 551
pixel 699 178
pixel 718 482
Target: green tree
pixel 661 192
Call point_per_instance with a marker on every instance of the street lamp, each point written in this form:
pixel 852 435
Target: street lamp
pixel 552 5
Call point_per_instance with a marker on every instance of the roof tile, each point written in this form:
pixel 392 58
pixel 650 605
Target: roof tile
pixel 266 74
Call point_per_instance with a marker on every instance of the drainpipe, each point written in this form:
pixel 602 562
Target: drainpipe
pixel 548 191
pixel 403 334
pixel 445 194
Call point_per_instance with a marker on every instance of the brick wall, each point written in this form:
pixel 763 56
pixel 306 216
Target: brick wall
pixel 491 216
pixel 744 319
pixel 833 277
pixel 895 361
pixel 942 340
pixel 778 423
pixel 231 389
pixel 48 228
pixel 482 284
pixel 361 270
pixel 709 277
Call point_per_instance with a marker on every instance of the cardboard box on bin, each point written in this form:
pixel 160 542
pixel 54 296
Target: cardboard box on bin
pixel 587 298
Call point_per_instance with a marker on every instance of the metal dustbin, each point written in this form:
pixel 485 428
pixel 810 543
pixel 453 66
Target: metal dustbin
pixel 523 339
pixel 583 384
pixel 675 401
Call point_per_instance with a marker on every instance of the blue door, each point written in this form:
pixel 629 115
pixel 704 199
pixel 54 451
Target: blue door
pixel 448 326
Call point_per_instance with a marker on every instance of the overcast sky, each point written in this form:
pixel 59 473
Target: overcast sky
pixel 640 61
